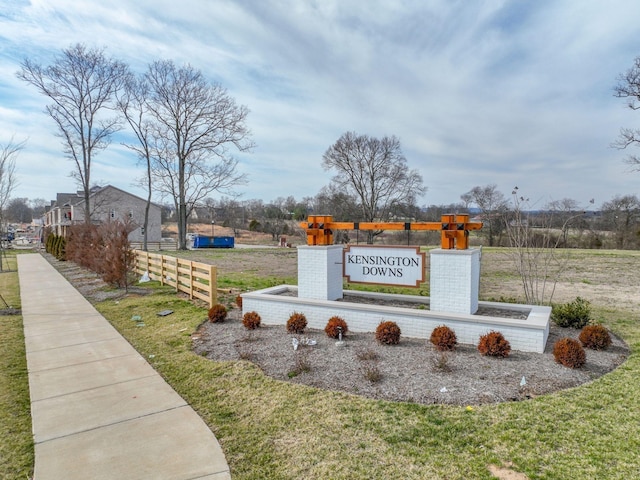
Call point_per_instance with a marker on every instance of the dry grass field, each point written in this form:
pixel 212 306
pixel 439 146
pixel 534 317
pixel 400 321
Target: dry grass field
pixel 607 278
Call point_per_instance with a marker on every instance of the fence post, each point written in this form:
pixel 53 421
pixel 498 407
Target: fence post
pixel 161 269
pixel 176 273
pixel 191 279
pixel 213 285
pixel 137 262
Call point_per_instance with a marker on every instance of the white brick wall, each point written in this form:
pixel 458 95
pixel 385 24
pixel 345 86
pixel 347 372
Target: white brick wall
pixel 525 335
pixel 454 280
pixel 320 272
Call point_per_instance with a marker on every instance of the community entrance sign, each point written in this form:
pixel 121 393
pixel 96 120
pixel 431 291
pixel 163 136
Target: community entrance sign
pixel 398 266
pixel 454 273
pixel 454 267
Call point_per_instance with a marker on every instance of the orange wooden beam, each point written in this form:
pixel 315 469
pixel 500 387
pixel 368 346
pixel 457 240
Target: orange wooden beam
pixel 455 229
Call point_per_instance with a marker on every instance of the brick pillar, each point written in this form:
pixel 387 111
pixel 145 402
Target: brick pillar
pixel 320 272
pixel 455 280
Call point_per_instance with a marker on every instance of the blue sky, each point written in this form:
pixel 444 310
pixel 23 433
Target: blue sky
pixel 478 92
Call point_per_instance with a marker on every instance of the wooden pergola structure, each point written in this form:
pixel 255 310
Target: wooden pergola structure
pixel 454 229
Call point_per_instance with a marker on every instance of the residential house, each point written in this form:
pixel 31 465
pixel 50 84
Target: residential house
pixel 107 204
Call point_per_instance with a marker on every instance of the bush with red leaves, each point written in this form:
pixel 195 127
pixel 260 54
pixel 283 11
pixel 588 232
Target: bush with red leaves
pixel 217 313
pixel 332 330
pixel 569 352
pixel 297 323
pixel 595 337
pixel 388 333
pixel 444 338
pixel 251 320
pixel 494 344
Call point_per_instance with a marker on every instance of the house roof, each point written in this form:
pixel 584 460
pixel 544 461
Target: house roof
pixel 77 199
pixel 63 199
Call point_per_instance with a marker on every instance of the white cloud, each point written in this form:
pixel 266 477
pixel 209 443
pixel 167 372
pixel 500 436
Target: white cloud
pixel 493 92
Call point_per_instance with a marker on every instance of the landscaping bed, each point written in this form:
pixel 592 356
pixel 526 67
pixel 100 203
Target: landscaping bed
pixel 412 371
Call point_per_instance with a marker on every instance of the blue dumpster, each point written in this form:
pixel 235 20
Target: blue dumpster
pixel 213 242
pixel 222 242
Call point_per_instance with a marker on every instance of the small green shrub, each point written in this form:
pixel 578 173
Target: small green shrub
pixel 569 352
pixel 332 329
pixel 59 247
pixel 388 333
pixel 49 243
pixel 444 338
pixel 251 320
pixel 494 344
pixel 574 314
pixel 297 323
pixel 217 313
pixel 595 337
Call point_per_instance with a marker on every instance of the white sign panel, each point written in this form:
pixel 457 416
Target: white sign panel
pixel 401 266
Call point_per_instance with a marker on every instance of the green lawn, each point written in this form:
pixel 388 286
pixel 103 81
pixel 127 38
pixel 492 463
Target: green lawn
pixel 16 444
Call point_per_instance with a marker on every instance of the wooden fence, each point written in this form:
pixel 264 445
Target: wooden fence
pixel 167 244
pixel 196 279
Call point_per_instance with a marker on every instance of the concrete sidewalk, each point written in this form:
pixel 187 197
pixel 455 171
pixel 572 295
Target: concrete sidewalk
pixel 99 410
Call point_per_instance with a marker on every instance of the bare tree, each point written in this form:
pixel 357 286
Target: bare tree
pixel 39 207
pixel 628 87
pixel 492 205
pixel 566 216
pixel 621 215
pixel 375 172
pixel 8 155
pixel 332 200
pixel 227 212
pixel 254 211
pixel 195 124
pixel 81 83
pixel 276 214
pixel 18 210
pixel 133 104
pixel 535 248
